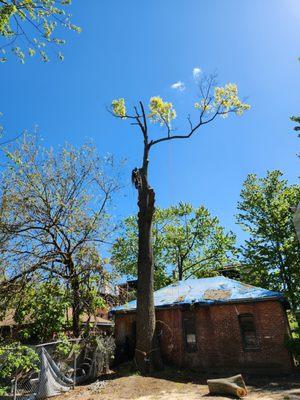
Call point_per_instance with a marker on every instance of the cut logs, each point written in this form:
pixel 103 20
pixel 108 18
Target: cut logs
pixel 233 385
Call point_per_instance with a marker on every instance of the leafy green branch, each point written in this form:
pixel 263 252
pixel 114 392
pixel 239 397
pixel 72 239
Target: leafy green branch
pixel 28 26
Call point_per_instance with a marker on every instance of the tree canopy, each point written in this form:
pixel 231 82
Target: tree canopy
pixel 187 242
pixel 214 101
pixel 55 214
pixel 28 26
pixel 271 255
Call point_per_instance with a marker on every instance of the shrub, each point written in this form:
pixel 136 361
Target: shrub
pixel 16 361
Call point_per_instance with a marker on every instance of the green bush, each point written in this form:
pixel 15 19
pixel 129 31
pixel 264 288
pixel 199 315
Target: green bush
pixel 16 361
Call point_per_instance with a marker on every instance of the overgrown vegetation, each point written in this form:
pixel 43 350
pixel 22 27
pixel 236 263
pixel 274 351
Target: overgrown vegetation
pixel 54 216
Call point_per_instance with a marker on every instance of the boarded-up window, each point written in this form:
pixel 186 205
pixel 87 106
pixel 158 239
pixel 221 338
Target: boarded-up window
pixel 189 332
pixel 248 331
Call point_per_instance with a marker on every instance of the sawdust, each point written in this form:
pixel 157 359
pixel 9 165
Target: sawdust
pixel 148 388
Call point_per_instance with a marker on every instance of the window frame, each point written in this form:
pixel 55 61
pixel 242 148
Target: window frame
pixel 189 328
pixel 243 332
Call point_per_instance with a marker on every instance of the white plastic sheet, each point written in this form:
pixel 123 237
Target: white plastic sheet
pixel 52 382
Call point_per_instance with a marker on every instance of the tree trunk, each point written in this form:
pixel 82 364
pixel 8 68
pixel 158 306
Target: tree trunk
pixel 234 385
pixel 76 308
pixel 147 353
pixel 75 293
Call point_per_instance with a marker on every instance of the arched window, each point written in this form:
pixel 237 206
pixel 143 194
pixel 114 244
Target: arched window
pixel 248 332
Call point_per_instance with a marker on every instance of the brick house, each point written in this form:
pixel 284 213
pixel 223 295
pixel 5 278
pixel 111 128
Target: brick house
pixel 10 329
pixel 213 325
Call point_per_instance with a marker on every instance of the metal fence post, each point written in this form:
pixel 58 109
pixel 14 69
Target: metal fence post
pixel 75 368
pixel 15 388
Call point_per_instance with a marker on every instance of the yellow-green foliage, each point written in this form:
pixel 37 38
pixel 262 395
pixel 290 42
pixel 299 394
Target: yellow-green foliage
pixel 161 111
pixel 119 108
pixel 225 100
pixel 218 101
pixel 19 19
pixel 6 12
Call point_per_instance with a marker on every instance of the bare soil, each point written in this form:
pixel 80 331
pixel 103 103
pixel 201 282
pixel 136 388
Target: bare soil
pixel 178 387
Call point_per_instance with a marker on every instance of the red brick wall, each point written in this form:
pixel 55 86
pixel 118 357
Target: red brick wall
pixel 219 340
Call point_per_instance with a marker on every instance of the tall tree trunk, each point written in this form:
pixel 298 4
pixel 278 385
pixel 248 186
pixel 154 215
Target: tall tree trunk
pixel 147 352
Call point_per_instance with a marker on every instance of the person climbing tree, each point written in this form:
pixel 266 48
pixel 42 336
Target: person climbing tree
pixel 214 101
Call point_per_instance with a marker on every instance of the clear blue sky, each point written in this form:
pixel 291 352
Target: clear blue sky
pixel 136 49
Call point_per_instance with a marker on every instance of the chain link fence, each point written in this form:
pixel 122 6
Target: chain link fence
pixel 59 367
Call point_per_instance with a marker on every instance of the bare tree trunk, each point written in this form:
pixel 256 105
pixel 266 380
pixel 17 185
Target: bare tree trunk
pixel 145 303
pixel 147 352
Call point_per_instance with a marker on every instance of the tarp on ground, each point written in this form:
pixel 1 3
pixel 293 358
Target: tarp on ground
pixel 51 382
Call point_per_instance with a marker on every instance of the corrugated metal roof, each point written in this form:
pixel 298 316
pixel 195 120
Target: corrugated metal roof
pixel 205 291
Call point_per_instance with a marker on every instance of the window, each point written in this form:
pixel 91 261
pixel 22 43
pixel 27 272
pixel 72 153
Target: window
pixel 248 332
pixel 189 332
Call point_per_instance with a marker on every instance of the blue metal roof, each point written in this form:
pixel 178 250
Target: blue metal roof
pixel 206 291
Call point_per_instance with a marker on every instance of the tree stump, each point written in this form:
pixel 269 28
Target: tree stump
pixel 233 385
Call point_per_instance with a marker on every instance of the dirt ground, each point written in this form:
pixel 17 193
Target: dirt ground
pixel 177 387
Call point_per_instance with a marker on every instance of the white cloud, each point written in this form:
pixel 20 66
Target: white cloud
pixel 178 86
pixel 196 73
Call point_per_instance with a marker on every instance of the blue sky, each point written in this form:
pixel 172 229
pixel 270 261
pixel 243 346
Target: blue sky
pixel 136 49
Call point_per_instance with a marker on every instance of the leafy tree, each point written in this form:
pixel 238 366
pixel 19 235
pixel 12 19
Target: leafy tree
pixel 271 255
pixel 213 102
pixel 58 215
pixel 44 307
pixel 186 242
pixel 35 23
pixel 16 361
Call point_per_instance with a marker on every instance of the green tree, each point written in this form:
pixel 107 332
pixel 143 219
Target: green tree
pixel 213 101
pixel 43 309
pixel 187 242
pixel 15 362
pixel 58 215
pixel 271 255
pixel 35 23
